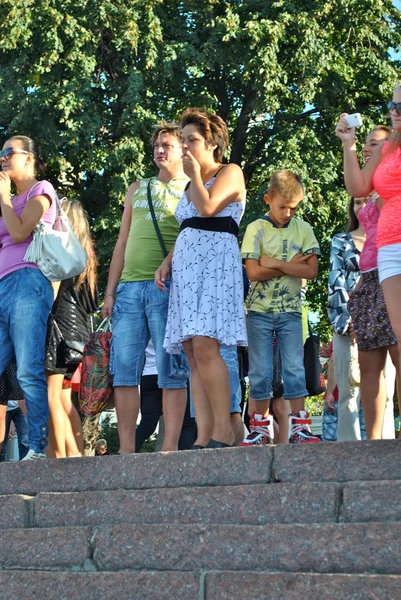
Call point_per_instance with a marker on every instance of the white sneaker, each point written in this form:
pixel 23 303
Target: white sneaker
pixel 32 455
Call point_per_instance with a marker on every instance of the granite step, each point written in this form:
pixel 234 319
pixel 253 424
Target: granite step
pixel 322 548
pixel 224 585
pixel 347 548
pixel 241 505
pixel 262 504
pixel 295 463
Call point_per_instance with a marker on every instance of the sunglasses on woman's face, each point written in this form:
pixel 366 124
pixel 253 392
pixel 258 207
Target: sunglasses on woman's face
pixel 8 152
pixel 395 106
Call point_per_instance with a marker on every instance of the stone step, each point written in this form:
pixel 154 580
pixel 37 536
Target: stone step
pixel 324 548
pixel 226 585
pixel 231 466
pixel 361 548
pixel 295 463
pixel 373 460
pixel 262 504
pixel 239 505
pixel 26 585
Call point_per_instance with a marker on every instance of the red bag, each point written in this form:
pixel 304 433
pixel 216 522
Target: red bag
pixel 96 388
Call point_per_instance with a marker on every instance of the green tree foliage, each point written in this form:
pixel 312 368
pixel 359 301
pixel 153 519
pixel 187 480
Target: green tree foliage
pixel 88 78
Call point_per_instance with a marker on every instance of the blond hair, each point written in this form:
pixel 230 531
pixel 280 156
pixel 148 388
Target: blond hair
pixel 286 183
pixel 166 127
pixel 80 224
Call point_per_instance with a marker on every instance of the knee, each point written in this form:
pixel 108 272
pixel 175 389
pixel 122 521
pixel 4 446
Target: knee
pixel 371 365
pixel 206 351
pixel 282 408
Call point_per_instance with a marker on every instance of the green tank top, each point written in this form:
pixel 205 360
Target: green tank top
pixel 143 254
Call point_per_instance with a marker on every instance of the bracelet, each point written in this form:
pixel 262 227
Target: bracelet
pixel 113 295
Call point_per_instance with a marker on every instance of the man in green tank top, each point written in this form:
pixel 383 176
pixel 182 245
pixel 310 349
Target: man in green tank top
pixel 138 309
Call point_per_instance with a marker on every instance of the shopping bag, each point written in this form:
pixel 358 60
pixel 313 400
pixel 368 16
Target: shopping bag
pixel 96 387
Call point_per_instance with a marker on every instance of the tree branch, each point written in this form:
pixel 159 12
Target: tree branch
pixel 241 130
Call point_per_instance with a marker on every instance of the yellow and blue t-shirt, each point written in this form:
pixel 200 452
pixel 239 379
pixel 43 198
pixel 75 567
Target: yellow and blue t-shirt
pixel 263 237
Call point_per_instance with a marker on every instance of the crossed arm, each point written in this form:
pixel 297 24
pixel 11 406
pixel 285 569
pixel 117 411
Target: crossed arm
pixel 303 267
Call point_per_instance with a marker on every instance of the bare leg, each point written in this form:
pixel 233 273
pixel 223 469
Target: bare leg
pixel 373 390
pixel 57 417
pixel 282 408
pixel 238 427
pixel 203 409
pixel 126 399
pixel 3 411
pixel 259 406
pixel 174 404
pixel 395 357
pixel 392 293
pixel 215 379
pixel 297 404
pixel 75 424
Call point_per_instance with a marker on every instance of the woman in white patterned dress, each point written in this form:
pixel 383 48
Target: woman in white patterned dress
pixel 206 295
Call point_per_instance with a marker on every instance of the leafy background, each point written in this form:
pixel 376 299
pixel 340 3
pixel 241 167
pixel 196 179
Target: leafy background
pixel 87 79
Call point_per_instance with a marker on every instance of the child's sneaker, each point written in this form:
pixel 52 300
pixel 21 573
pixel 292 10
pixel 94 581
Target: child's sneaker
pixel 261 431
pixel 299 430
pixel 32 455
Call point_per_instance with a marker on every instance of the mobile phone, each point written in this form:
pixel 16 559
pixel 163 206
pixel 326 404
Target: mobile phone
pixel 354 120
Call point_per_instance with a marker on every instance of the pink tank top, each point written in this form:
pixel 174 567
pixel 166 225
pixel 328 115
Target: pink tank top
pixel 369 217
pixel 387 183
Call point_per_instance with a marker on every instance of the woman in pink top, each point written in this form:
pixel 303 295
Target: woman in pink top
pixel 383 174
pixel 369 315
pixel 26 296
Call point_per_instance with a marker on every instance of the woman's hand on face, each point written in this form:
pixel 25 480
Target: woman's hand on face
pixel 190 164
pixel 346 135
pixel 5 185
pixel 162 273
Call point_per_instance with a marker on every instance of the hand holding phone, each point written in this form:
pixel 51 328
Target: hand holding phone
pixel 354 120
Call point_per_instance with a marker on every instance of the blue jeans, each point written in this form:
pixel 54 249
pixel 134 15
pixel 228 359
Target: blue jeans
pixel 330 420
pixel 140 313
pixel 22 428
pixel 26 298
pixel 230 356
pixel 288 328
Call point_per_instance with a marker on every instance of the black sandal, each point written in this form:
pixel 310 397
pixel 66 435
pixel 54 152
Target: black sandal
pixel 215 444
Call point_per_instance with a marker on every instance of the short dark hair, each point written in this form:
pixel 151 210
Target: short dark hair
pixel 210 126
pixel 170 128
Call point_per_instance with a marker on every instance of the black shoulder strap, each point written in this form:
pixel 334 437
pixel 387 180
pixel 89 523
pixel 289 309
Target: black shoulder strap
pixel 155 223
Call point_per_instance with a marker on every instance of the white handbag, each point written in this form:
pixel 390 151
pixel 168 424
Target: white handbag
pixel 56 249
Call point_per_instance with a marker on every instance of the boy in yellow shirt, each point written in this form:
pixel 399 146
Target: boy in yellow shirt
pixel 279 251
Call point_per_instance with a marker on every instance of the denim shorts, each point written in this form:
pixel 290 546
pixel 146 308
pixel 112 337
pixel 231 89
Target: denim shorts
pixel 140 314
pixel 288 328
pixel 230 356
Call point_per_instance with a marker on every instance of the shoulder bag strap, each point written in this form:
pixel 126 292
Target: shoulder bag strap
pixel 155 223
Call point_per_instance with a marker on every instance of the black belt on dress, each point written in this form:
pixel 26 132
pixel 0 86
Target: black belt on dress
pixel 222 224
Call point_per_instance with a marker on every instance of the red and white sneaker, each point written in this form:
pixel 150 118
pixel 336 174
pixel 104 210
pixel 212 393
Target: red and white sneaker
pixel 261 431
pixel 299 430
